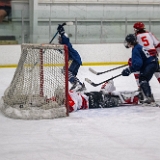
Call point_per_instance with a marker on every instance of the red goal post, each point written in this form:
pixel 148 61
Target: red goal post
pixel 39 88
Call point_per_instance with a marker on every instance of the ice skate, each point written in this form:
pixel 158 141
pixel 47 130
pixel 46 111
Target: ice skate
pixel 81 88
pixel 149 101
pixel 78 87
pixel 145 95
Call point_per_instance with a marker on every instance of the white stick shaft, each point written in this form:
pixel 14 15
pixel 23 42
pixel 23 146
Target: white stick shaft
pixel 69 23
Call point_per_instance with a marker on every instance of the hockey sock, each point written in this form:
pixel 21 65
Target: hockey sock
pixel 146 88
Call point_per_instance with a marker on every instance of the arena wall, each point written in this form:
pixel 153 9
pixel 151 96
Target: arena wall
pixel 91 54
pixel 95 21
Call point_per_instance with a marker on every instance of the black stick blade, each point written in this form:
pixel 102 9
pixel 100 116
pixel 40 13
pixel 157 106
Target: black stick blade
pixel 97 84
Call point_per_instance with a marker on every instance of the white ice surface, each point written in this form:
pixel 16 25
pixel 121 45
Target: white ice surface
pixel 122 133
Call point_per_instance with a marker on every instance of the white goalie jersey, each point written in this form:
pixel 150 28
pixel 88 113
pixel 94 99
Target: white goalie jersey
pixel 77 101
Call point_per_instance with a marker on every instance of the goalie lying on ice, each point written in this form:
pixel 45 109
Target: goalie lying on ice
pixel 105 98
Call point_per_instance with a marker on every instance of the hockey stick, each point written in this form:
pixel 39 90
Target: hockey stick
pixel 65 23
pixel 98 73
pixel 97 84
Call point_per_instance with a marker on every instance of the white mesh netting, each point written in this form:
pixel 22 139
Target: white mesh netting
pixel 38 88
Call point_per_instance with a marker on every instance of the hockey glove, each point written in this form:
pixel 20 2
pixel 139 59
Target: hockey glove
pixel 60 29
pixel 126 72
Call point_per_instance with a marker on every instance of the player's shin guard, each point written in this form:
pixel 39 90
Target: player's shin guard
pixel 146 88
pixel 146 92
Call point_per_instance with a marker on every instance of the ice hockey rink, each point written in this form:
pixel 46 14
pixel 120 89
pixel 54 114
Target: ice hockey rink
pixel 120 133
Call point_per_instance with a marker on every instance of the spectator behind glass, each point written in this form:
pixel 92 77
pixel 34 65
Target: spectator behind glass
pixel 5 9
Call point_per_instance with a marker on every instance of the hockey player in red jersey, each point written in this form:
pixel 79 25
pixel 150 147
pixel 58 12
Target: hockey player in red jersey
pixel 149 42
pixel 146 39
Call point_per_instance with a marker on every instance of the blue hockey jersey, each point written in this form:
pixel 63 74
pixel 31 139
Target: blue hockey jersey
pixel 73 54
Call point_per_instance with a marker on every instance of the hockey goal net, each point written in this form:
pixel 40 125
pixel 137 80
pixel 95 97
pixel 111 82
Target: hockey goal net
pixel 39 87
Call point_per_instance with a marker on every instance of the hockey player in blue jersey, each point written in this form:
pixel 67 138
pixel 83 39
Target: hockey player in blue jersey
pixel 75 59
pixel 145 63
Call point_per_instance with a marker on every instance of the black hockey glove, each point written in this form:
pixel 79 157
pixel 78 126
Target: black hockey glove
pixel 126 72
pixel 60 29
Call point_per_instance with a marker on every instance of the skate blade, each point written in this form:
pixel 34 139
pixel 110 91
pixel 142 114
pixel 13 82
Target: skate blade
pixel 153 104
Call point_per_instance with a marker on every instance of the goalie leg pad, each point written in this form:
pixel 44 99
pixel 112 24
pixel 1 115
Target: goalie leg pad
pixel 95 99
pixel 111 101
pixel 98 100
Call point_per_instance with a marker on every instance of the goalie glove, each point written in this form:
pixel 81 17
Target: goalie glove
pixel 126 72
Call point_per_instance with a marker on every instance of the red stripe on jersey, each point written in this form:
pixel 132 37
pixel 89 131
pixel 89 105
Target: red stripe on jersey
pixel 152 52
pixel 158 80
pixel 158 45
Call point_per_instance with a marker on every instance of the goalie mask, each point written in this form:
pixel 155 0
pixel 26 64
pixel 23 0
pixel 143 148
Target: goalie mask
pixel 130 40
